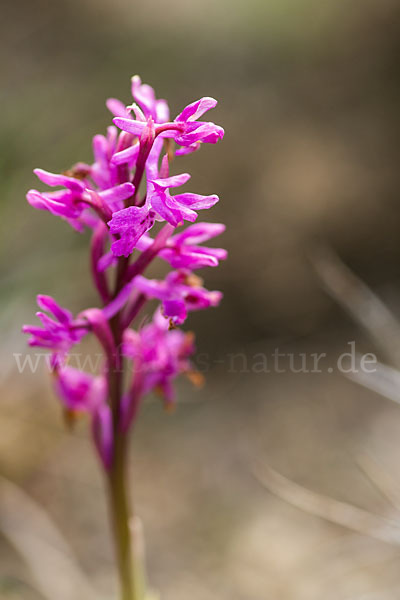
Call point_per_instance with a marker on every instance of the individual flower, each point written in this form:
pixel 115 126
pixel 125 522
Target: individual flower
pixel 72 202
pixel 186 130
pixel 182 251
pixel 159 355
pixel 146 99
pixel 66 203
pixel 59 332
pixel 176 209
pixel 82 392
pixel 147 107
pixel 192 133
pixel 180 292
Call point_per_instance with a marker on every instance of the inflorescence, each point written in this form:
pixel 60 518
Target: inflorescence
pixel 125 199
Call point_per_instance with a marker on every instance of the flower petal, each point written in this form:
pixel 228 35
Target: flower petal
pixel 174 181
pixel 130 125
pixel 48 303
pixel 115 195
pixel 116 107
pixel 198 233
pixel 194 110
pixel 176 310
pixel 196 201
pixel 53 179
pixel 126 156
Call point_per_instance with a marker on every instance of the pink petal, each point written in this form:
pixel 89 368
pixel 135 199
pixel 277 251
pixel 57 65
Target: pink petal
pixel 116 107
pixel 48 303
pixel 53 180
pixel 126 156
pixel 194 110
pixel 196 201
pixel 119 193
pixel 130 125
pixel 174 181
pixel 200 232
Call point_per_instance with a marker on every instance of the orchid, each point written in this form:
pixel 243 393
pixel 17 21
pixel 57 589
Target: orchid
pixel 180 292
pixel 59 332
pixel 186 130
pixel 183 250
pixel 123 197
pixel 85 393
pixel 178 208
pixel 158 356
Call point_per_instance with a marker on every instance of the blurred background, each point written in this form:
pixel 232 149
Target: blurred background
pixel 308 95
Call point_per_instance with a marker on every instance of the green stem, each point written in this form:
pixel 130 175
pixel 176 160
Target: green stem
pixel 117 478
pixel 129 561
pixel 120 515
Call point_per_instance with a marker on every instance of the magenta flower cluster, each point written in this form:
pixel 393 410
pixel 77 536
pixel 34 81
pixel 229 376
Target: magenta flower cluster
pixel 126 199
